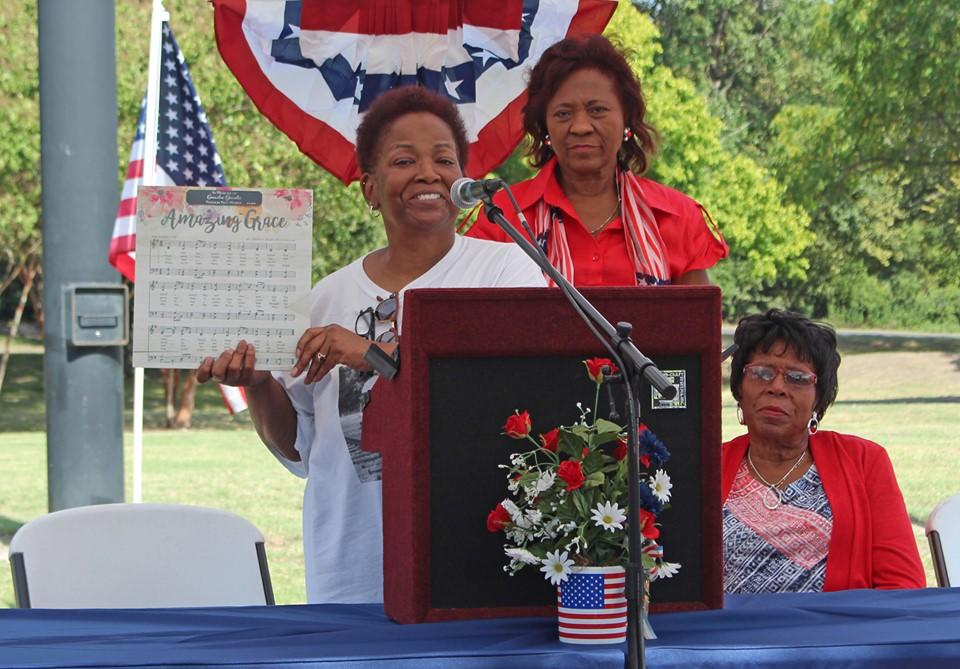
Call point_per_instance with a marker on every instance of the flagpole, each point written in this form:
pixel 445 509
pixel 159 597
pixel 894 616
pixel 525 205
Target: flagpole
pixel 158 16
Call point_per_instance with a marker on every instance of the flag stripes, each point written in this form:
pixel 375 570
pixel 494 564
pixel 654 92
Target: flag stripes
pixel 591 606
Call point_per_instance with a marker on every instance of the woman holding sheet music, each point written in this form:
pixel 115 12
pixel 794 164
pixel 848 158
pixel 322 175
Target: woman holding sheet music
pixel 599 222
pixel 411 147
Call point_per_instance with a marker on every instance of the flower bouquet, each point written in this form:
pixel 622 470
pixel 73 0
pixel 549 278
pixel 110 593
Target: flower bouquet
pixel 568 498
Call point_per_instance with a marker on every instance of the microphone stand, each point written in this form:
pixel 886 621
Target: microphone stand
pixel 639 367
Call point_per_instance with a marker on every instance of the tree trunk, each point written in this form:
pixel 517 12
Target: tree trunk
pixel 171 382
pixel 188 396
pixel 179 397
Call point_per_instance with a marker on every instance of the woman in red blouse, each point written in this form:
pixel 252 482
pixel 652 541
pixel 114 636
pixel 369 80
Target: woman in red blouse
pixel 598 221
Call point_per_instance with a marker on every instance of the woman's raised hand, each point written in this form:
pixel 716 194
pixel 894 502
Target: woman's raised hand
pixel 322 348
pixel 234 367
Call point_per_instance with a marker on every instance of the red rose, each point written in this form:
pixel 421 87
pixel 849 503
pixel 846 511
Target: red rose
pixel 549 440
pixel 595 368
pixel 620 452
pixel 497 518
pixel 571 473
pixel 647 527
pixel 517 425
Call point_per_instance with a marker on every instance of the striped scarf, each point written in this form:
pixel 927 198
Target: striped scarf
pixel 644 245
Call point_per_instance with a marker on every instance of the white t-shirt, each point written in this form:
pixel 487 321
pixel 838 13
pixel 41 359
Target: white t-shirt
pixel 342 523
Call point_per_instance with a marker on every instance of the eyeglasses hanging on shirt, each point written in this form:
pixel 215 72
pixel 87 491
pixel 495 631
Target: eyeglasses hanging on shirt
pixel 385 312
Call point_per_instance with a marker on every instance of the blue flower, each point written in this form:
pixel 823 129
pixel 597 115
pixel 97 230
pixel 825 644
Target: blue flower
pixel 653 447
pixel 649 501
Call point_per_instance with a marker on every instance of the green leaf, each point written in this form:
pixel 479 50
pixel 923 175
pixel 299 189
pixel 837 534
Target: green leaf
pixel 607 430
pixel 571 444
pixel 580 503
pixel 593 462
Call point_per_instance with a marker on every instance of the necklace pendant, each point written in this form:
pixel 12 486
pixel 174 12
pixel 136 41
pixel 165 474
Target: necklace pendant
pixel 772 498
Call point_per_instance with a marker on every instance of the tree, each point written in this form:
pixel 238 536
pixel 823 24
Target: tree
pixel 853 106
pixel 767 238
pixel 749 56
pixel 19 161
pixel 877 164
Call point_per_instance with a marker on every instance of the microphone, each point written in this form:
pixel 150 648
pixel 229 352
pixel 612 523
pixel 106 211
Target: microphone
pixel 467 193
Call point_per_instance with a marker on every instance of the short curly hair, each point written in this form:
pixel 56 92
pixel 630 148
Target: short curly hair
pixel 813 342
pixel 393 104
pixel 581 52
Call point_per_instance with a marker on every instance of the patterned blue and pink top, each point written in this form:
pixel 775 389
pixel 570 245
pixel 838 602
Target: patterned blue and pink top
pixel 776 550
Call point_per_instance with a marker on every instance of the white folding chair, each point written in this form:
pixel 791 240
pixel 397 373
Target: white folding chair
pixel 139 556
pixel 943 533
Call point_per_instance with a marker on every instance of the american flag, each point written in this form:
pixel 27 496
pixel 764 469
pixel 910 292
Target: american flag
pixel 592 607
pixel 186 156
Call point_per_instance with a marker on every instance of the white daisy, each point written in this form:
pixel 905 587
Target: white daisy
pixel 609 516
pixel 521 555
pixel 664 570
pixel 556 566
pixel 660 485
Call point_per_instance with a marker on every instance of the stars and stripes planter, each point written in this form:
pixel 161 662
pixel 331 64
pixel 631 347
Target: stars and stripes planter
pixel 591 606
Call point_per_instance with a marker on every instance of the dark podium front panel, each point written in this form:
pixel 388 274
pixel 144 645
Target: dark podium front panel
pixel 469 358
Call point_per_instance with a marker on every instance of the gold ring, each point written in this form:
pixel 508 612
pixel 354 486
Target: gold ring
pixel 321 357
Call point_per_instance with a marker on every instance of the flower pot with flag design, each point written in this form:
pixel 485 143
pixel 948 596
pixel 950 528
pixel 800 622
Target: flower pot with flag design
pixel 591 606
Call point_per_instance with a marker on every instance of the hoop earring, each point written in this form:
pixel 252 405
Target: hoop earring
pixel 740 415
pixel 813 425
pixel 373 210
pixel 546 140
pixel 627 134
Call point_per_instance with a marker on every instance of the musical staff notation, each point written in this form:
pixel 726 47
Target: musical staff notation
pixel 191 360
pixel 229 247
pixel 204 272
pixel 213 330
pixel 217 286
pixel 221 315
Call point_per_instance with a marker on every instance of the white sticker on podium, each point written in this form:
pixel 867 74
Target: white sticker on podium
pixel 678 377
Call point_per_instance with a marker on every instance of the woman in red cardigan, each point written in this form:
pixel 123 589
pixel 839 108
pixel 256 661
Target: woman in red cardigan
pixel 805 510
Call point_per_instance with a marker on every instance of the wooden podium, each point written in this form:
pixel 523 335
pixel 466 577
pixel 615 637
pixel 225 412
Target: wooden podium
pixel 468 359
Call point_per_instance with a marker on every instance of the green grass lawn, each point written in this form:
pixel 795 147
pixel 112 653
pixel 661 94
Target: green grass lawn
pixel 909 401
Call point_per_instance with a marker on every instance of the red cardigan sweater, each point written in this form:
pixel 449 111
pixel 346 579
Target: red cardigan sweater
pixel 872 543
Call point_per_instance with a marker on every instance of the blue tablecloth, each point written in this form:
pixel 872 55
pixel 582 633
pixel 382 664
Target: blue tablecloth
pixel 919 628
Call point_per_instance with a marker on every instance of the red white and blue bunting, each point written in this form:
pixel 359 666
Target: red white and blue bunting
pixel 314 66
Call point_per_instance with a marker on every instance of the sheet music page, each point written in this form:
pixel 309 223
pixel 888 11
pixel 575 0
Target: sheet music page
pixel 215 266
